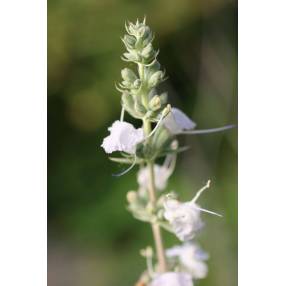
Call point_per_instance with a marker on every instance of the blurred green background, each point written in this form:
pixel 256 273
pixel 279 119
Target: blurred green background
pixel 92 239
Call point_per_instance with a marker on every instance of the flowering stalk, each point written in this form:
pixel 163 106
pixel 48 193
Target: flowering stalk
pixel 152 197
pixel 180 265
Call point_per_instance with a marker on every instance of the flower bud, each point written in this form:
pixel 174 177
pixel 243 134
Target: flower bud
pixel 133 105
pixel 155 103
pixel 147 37
pixel 132 29
pixel 128 75
pixel 164 98
pixel 147 252
pixel 147 51
pixel 131 197
pixel 174 145
pixel 132 56
pixel 137 83
pixel 155 78
pixel 166 110
pixel 129 41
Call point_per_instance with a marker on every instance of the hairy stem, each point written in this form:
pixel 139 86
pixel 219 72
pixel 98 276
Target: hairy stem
pixel 152 197
pixel 143 92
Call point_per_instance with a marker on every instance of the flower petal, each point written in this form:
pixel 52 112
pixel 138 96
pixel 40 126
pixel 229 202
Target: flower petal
pixel 177 121
pixel 123 137
pixel 191 257
pixel 173 279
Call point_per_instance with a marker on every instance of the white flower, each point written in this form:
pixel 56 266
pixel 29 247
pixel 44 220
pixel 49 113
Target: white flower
pixel 173 279
pixel 192 258
pixel 185 217
pixel 161 177
pixel 161 174
pixel 177 121
pixel 123 137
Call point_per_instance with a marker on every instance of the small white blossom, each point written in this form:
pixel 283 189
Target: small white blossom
pixel 192 258
pixel 123 137
pixel 173 279
pixel 185 217
pixel 177 121
pixel 161 174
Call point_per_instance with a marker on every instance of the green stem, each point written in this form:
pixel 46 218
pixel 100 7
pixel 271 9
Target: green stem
pixel 152 197
pixel 143 91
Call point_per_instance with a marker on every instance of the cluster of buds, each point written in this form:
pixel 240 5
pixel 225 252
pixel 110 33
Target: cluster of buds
pixel 139 95
pixel 143 146
pixel 138 43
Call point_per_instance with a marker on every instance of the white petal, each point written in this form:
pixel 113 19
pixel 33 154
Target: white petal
pixel 161 177
pixel 174 251
pixel 173 279
pixel 192 258
pixel 123 137
pixel 177 121
pixel 184 218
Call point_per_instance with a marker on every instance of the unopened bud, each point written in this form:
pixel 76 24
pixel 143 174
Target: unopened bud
pixel 129 41
pixel 131 197
pixel 128 75
pixel 147 51
pixel 166 110
pixel 164 98
pixel 155 103
pixel 174 145
pixel 147 252
pixel 132 56
pixel 155 78
pixel 132 29
pixel 137 83
pixel 148 36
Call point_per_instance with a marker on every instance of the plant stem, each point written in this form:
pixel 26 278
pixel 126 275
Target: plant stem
pixel 152 197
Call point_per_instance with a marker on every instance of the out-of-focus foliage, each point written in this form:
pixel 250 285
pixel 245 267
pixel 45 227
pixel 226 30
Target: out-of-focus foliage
pixel 93 240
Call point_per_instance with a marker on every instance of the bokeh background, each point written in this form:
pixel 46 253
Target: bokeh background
pixel 92 239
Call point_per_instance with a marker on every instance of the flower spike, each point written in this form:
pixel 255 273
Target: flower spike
pixel 180 265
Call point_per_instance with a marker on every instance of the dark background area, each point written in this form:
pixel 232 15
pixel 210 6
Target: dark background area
pixel 92 239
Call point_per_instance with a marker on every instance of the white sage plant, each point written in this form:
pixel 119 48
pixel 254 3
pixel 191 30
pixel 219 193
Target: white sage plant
pixel 146 147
